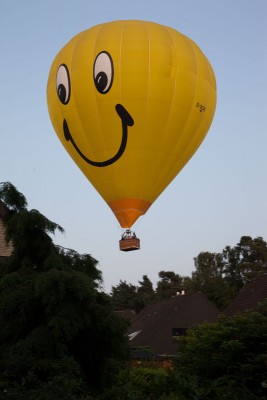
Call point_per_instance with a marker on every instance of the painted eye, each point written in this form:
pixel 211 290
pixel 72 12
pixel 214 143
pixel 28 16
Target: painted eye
pixel 103 72
pixel 63 84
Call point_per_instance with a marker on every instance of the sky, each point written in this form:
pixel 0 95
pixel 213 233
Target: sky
pixel 219 196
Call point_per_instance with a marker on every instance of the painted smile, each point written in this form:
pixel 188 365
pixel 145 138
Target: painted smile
pixel 126 120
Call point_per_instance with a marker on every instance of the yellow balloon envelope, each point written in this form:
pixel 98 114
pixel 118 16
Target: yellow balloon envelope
pixel 131 101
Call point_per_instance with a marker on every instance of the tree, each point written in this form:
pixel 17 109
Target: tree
pixel 59 335
pixel 132 297
pixel 208 279
pixel 142 383
pixel 145 292
pixel 28 230
pixel 221 275
pixel 169 284
pixel 245 261
pixel 125 295
pixel 14 200
pixel 236 350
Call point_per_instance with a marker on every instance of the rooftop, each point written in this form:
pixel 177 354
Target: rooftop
pixel 249 297
pixel 157 324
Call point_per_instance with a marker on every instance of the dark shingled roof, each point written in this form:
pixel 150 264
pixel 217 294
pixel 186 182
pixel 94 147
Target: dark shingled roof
pixel 249 297
pixel 154 326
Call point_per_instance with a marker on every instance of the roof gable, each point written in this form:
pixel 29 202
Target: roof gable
pixel 156 323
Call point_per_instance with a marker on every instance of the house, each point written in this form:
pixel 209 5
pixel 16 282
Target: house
pixel 157 325
pixel 249 297
pixel 5 247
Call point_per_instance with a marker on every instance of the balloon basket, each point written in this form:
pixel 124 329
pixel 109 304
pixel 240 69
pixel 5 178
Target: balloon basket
pixel 129 241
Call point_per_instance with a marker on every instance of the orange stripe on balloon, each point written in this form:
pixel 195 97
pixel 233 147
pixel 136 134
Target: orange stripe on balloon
pixel 127 211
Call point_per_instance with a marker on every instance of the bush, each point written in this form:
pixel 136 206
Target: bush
pixel 225 359
pixel 142 383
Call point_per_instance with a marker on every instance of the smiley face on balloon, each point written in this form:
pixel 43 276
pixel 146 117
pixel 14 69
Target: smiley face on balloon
pixel 103 78
pixel 131 101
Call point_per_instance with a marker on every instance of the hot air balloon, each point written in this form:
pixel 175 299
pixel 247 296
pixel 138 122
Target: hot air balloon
pixel 131 101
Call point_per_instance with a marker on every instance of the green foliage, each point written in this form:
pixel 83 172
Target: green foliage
pixel 136 298
pixel 221 275
pixel 81 262
pixel 209 279
pixel 222 360
pixel 125 295
pixel 62 380
pixel 13 200
pixel 169 284
pixel 59 336
pixel 29 231
pixel 245 261
pixel 133 297
pixel 53 316
pixel 145 291
pixel 142 383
